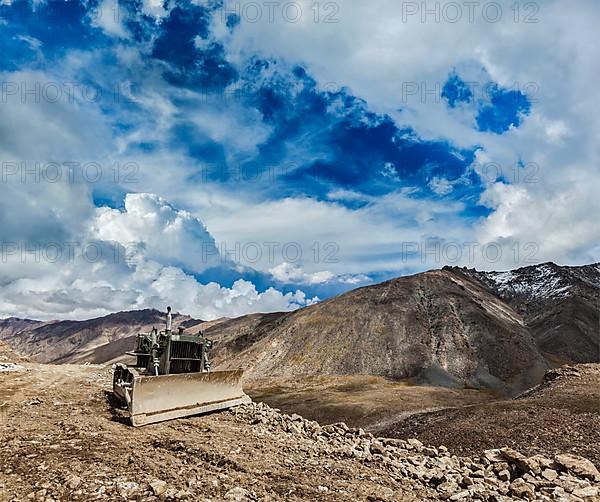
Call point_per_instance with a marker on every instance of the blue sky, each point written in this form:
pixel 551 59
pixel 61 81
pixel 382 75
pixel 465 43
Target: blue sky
pixel 249 160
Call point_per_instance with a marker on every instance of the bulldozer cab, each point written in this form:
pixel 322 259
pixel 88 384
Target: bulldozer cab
pixel 168 353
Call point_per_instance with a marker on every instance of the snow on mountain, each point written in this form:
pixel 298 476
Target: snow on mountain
pixel 544 281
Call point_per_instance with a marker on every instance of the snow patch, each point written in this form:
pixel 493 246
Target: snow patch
pixel 541 282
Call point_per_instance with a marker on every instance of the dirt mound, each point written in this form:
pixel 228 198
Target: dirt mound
pixel 558 377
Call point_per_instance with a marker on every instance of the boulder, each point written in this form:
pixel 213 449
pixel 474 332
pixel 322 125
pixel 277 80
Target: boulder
pixel 589 491
pixel 378 448
pixel 522 489
pixel 549 474
pixel 578 466
pixel 415 444
pixel 158 487
pixel 73 481
pixel 493 455
pixel 504 475
pixel 521 462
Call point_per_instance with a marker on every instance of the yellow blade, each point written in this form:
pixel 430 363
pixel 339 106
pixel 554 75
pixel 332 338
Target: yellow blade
pixel 153 399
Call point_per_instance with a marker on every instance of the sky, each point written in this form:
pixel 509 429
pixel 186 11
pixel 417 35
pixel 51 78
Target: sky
pixel 231 157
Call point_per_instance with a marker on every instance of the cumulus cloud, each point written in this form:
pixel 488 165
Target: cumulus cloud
pixel 163 233
pixel 212 301
pixel 86 287
pixel 95 277
pixel 557 228
pixel 289 273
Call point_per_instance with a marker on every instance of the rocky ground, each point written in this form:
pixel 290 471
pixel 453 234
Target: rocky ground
pixel 64 439
pixel 561 415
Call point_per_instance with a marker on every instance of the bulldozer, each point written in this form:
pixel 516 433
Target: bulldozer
pixel 172 379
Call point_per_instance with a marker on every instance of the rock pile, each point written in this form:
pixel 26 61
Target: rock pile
pixel 551 378
pixel 497 475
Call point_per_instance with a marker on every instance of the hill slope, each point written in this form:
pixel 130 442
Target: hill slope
pixel 93 340
pixel 559 305
pixel 447 327
pixel 439 327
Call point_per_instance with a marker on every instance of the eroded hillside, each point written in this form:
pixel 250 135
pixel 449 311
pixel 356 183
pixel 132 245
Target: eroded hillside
pixel 454 327
pixel 437 327
pixel 559 305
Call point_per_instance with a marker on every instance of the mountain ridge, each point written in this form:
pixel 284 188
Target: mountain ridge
pixel 433 326
pixel 451 327
pixel 75 341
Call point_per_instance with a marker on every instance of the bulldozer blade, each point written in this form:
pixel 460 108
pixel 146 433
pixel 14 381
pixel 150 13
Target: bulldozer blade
pixel 152 399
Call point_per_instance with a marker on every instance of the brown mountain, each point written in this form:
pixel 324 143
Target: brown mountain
pixel 94 340
pixel 13 326
pixel 438 327
pixel 450 327
pixel 560 306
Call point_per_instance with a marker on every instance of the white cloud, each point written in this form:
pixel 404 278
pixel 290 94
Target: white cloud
pixel 154 8
pixel 373 52
pixel 109 17
pixel 562 227
pixel 80 290
pixel 82 285
pixel 212 301
pixel 165 234
pixel 335 238
pixel 379 56
pixel 441 186
pixel 294 273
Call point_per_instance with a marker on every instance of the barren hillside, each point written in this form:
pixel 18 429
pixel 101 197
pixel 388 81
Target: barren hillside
pixel 94 340
pixel 437 327
pixel 559 305
pixel 454 328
